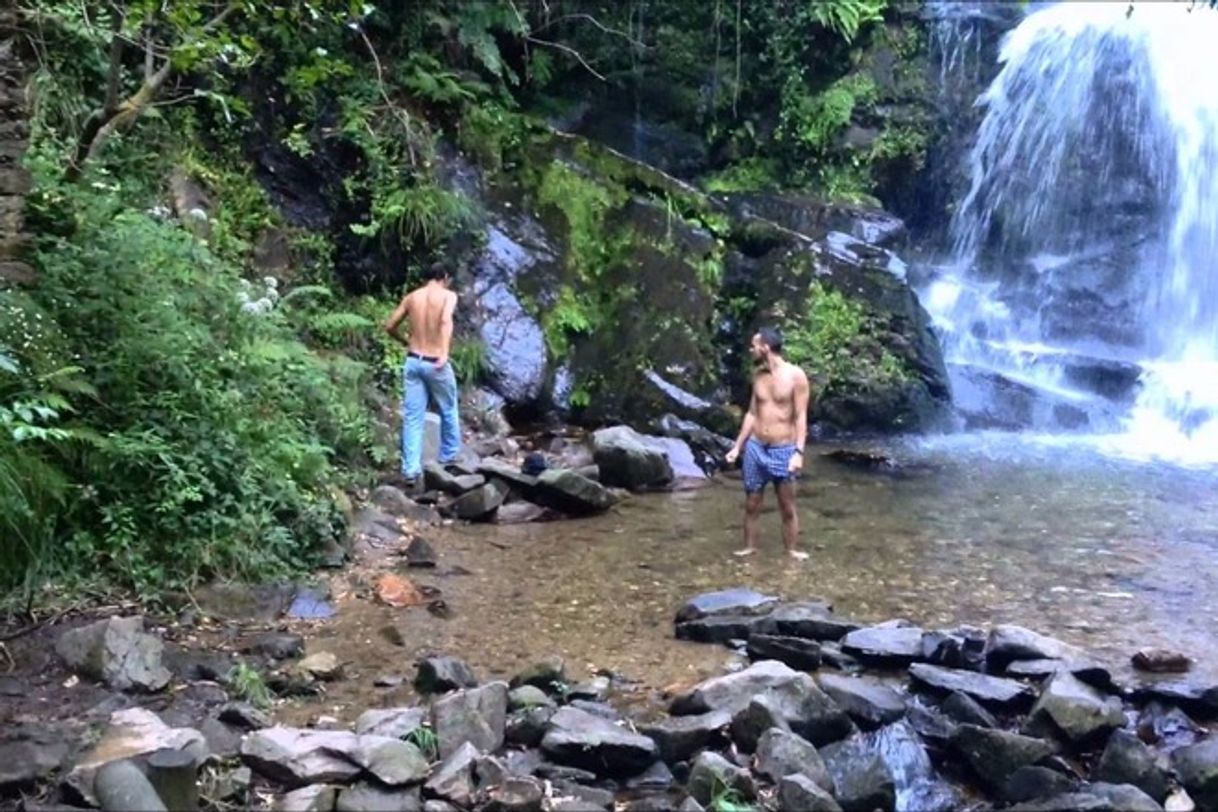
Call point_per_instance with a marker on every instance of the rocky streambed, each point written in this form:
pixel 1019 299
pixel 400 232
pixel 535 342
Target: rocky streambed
pixel 821 712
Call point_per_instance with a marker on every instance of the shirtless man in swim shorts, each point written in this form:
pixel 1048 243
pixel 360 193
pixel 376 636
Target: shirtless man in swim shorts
pixel 772 439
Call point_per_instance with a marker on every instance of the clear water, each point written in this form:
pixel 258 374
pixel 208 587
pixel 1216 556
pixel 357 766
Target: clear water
pixel 1097 114
pixel 1103 553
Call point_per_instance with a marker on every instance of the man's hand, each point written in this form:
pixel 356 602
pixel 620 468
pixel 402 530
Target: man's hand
pixel 441 361
pixel 796 463
pixel 731 456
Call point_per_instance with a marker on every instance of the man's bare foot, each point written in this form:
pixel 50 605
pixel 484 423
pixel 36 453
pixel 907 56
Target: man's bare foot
pixel 747 551
pixel 798 555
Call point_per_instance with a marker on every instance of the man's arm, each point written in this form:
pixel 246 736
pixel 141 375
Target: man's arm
pixel 746 430
pixel 802 395
pixel 446 329
pixel 395 320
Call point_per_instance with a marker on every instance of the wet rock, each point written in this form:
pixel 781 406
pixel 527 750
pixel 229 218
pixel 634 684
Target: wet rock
pixel 711 773
pixel 1090 673
pixel 1094 798
pixel 571 493
pixel 680 737
pixel 234 786
pixel 885 644
pixel 562 772
pixel 579 739
pixel 369 797
pixel 797 791
pixel 737 601
pixel 861 781
pixel 476 716
pixel 781 753
pixel 478 504
pixel 1196 698
pixel 527 727
pixel 657 777
pixel 12 687
pixel 395 723
pixel 733 692
pixel 437 675
pixel 1126 760
pixel 958 648
pixel 997 692
pixel 393 762
pixel 994 755
pixel 917 784
pixel 626 460
pixel 510 475
pixel 1167 725
pixel 596 689
pixel 244 716
pixel 722 628
pixel 316 798
pixel 870 703
pixel 323 665
pixel 116 652
pixel 800 706
pixel 393 501
pixel 550 675
pixel 965 710
pixel 277 645
pixel 812 620
pixel 515 794
pixel 1033 782
pixel 1079 712
pixel 831 654
pixel 571 796
pixel 300 757
pixel 1161 661
pixel 1197 768
pixel 796 652
pixel 439 806
pixel 1008 642
pixel 935 728
pixel 522 513
pixel 419 553
pixel 515 347
pixel 29 758
pixel 437 478
pixel 528 696
pixel 131 733
pixel 453 780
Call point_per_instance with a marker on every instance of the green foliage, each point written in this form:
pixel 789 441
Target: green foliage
pixel 847 17
pixel 584 203
pixel 572 313
pixel 246 683
pixel 817 120
pixel 725 798
pixel 752 174
pixel 221 428
pixel 838 342
pixel 424 738
pixel 468 357
pixel 423 212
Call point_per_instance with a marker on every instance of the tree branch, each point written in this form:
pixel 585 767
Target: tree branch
pixel 402 115
pixel 115 70
pixel 567 49
pixel 589 18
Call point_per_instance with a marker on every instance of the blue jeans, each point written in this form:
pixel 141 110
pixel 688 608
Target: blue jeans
pixel 422 381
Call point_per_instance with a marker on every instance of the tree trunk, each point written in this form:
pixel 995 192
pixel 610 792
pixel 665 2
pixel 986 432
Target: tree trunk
pixel 14 135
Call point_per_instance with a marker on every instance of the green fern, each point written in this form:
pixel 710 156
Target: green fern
pixel 847 17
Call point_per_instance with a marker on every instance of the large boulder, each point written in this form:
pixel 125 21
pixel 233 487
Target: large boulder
pixel 680 737
pixel 994 755
pixel 1197 768
pixel 1005 694
pixel 732 692
pixel 1126 760
pixel 571 493
pixel 117 652
pixel 861 780
pixel 868 702
pixel 737 601
pixel 627 460
pixel 781 753
pixel 1009 642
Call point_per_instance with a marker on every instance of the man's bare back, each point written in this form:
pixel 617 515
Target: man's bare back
pixel 429 311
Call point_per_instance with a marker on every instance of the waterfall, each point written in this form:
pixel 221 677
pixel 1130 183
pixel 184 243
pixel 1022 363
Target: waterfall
pixel 1081 291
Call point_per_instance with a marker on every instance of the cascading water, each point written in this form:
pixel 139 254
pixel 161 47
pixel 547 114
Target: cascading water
pixel 1086 248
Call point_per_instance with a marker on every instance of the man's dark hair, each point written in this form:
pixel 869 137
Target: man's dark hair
pixel 772 338
pixel 436 270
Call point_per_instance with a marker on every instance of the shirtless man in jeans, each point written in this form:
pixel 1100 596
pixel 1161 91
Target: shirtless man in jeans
pixel 772 439
pixel 427 372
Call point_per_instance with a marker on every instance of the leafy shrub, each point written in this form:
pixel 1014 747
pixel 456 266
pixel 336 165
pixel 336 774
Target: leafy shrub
pixel 220 429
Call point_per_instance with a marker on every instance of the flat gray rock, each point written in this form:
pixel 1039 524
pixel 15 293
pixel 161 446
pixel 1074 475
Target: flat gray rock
pixel 1009 642
pixel 393 762
pixel 116 652
pixel 298 758
pixel 736 601
pixel 680 737
pixel 885 643
pixel 734 691
pixel 782 753
pixel 994 755
pixel 996 692
pixel 868 702
pixel 579 739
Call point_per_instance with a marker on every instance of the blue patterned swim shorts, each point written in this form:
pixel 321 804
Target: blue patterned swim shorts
pixel 764 464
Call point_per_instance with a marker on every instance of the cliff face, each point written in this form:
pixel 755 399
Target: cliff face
pixel 14 135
